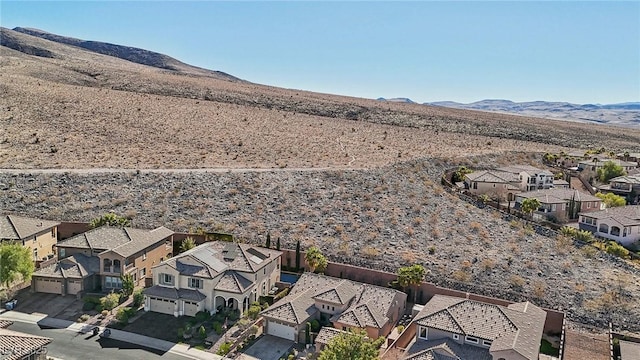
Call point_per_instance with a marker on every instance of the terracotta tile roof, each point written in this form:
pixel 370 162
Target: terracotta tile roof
pixel 517 327
pixel 445 349
pixel 20 344
pixel 625 215
pixel 5 324
pixel 517 169
pixel 123 241
pixel 175 294
pixel 493 176
pixel 369 306
pixel 14 227
pixel 76 266
pixel 326 334
pixel 627 179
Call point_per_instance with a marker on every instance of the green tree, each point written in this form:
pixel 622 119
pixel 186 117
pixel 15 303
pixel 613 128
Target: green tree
pixel 187 244
pixel 15 261
pixel 352 346
pixel 110 219
pixel 315 259
pixel 110 301
pixel 298 255
pixel 612 200
pixel 268 243
pixel 254 310
pixel 127 285
pixel 411 276
pixel 138 298
pixel 609 171
pixel 278 244
pixel 528 206
pixel 459 174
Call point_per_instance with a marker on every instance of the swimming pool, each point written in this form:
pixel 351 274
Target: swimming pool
pixel 290 278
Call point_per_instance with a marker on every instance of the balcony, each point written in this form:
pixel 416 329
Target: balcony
pixel 112 269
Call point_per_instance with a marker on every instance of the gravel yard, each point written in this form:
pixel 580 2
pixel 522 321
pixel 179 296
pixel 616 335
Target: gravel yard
pixel 382 218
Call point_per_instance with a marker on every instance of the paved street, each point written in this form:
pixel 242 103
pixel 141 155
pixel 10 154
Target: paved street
pixel 69 345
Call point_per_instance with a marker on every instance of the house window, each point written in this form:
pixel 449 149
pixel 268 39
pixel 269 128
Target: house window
pixel 116 266
pixel 588 204
pixel 624 232
pixel 143 273
pixel 35 254
pixel 166 279
pixel 167 244
pixel 195 283
pixel 471 339
pixel 422 334
pixel 615 231
pixel 62 252
pixel 106 267
pixel 456 337
pixel 278 266
pixel 322 306
pixel 333 308
pixel 475 185
pixel 112 282
pixel 53 232
pixel 486 342
pixel 144 256
pixel 264 271
pixel 604 228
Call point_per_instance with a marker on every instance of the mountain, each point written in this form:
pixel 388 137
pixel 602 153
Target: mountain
pixel 624 114
pixel 136 55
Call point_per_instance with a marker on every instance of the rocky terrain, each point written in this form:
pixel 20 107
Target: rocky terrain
pixel 357 177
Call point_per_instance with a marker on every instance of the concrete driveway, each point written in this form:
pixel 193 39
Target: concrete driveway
pixel 48 304
pixel 268 347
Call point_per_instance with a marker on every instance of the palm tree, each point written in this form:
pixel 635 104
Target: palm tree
pixel 528 206
pixel 315 259
pixel 411 276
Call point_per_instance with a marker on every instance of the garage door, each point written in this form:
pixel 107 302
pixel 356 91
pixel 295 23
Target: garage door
pixel 51 286
pixel 190 308
pixel 161 305
pixel 74 286
pixel 283 331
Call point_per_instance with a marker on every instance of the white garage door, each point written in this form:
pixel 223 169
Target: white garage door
pixel 74 286
pixel 190 308
pixel 283 331
pixel 51 286
pixel 161 305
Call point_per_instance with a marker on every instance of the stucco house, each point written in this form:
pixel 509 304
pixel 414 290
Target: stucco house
pixel 562 203
pixel 38 235
pixel 16 345
pixel 346 304
pixel 531 178
pixel 213 276
pixel 496 184
pixel 627 186
pixel 621 224
pixel 591 165
pixel 457 328
pixel 115 250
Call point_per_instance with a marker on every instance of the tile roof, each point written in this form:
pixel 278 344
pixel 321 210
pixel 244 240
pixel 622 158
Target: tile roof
pixel 517 327
pixel 629 350
pixel 5 324
pixel 558 195
pixel 123 241
pixel 625 215
pixel 233 282
pixel 21 344
pixel 627 179
pixel 175 294
pixel 517 169
pixel 615 161
pixel 326 334
pixel 212 258
pixel 445 349
pixel 369 305
pixel 14 227
pixel 493 176
pixel 75 266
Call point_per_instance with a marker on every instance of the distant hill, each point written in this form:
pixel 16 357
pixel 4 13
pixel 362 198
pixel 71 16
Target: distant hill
pixel 398 100
pixel 136 55
pixel 625 114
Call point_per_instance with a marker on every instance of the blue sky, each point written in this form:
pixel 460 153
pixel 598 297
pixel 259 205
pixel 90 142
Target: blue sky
pixel 582 52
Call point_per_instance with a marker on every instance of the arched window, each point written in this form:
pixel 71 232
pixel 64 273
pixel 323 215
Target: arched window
pixel 604 228
pixel 106 265
pixel 615 231
pixel 116 266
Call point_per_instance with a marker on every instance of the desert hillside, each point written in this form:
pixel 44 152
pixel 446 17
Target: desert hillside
pixel 357 177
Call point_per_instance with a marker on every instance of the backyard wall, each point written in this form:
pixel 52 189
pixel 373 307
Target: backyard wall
pixel 69 229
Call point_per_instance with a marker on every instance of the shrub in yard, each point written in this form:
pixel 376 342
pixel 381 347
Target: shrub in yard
pixel 616 249
pixel 217 327
pixel 584 235
pixel 202 316
pixel 202 332
pixel 104 313
pixel 88 306
pixel 124 314
pixel 83 318
pixel 138 298
pixel 110 301
pixel 234 315
pixel 180 333
pixel 253 311
pixel 90 302
pixel 400 329
pixel 315 325
pixel 224 348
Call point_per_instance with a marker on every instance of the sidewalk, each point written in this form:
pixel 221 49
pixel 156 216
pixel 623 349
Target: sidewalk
pixel 178 349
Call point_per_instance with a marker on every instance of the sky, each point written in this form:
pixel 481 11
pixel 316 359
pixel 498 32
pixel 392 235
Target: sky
pixel 579 52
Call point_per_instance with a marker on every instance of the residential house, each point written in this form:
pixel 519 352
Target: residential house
pixel 629 156
pixel 621 224
pixel 346 304
pixel 627 186
pixel 531 178
pixel 592 165
pixel 494 183
pixel 561 184
pixel 325 335
pixel 211 277
pixel 15 345
pixel 457 328
pixel 117 250
pixel 38 235
pixel 561 204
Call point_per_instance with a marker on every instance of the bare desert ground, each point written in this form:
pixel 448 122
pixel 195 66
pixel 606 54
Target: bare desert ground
pixel 374 200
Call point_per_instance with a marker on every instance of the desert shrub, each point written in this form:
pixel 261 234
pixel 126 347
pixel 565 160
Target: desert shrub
pixel 202 332
pixel 584 235
pixel 217 327
pixel 461 276
pixel 432 250
pixel 568 231
pixel 616 249
pixel 110 301
pixel 517 282
pixel 400 329
pixel 124 314
pixel 253 311
pixel 224 348
pixel 138 298
pixel 104 313
pixel 83 318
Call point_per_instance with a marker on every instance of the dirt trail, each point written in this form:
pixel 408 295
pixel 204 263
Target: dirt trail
pixel 164 171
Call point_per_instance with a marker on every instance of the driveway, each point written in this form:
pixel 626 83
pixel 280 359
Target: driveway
pixel 268 347
pixel 64 307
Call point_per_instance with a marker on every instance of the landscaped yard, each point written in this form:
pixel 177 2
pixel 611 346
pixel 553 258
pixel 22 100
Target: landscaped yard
pixel 159 326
